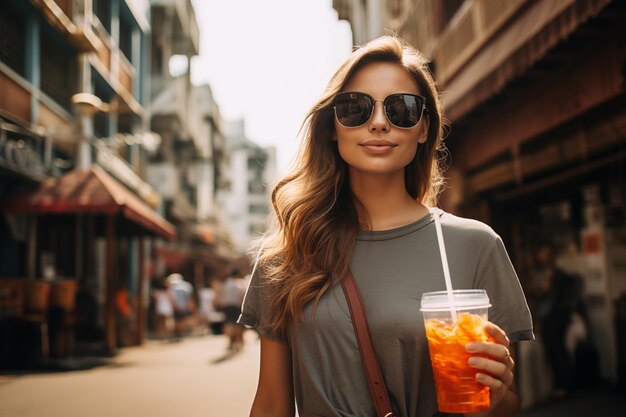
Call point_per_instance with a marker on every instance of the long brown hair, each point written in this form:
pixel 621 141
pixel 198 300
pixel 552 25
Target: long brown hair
pixel 309 245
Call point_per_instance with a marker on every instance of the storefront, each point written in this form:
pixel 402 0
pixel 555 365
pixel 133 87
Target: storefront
pixel 25 162
pixel 538 145
pixel 86 227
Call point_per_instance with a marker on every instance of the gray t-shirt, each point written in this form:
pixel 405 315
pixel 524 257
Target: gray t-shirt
pixel 392 269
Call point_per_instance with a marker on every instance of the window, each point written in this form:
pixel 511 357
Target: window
pixel 257 162
pixel 101 125
pixel 126 39
pixel 58 68
pixel 256 186
pixel 12 35
pixel 104 91
pixel 101 9
pixel 156 57
pixel 258 208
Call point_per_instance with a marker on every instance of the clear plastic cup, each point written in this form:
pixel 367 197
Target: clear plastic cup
pixel 457 388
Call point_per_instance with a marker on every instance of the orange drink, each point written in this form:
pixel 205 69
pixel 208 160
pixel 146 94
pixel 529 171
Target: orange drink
pixel 457 388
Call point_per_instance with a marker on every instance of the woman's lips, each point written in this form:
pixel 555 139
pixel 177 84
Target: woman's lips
pixel 378 146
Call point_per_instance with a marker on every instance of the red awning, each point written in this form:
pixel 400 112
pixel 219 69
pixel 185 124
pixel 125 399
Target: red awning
pixel 89 191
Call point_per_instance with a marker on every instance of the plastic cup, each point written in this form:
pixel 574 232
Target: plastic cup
pixel 457 388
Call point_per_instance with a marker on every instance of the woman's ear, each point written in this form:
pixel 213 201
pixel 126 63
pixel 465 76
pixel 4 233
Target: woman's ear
pixel 422 134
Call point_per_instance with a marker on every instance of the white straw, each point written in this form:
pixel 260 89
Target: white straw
pixel 444 263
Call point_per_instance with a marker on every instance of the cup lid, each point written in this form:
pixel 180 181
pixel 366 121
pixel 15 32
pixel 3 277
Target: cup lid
pixel 463 300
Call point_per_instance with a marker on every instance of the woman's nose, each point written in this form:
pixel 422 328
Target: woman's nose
pixel 378 121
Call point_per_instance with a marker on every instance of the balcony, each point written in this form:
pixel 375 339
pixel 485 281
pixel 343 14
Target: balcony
pixel 104 56
pixel 60 15
pixel 170 104
pixel 186 34
pixel 65 5
pixel 15 97
pixel 126 74
pixel 113 66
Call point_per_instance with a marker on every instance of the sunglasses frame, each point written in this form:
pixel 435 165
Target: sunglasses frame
pixel 424 110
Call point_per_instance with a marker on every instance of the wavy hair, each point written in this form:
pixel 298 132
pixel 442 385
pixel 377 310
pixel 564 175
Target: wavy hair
pixel 309 244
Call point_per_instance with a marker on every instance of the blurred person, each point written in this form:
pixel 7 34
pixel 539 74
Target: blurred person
pixel 207 307
pixel 229 301
pixel 358 199
pixel 125 315
pixel 163 310
pixel 181 292
pixel 562 317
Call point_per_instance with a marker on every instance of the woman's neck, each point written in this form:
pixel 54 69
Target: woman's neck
pixel 385 203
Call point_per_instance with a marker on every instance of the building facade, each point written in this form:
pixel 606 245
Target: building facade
pixel 365 16
pixel 252 170
pixel 535 94
pixel 77 211
pixel 188 167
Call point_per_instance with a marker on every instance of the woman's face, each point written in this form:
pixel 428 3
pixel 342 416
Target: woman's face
pixel 378 147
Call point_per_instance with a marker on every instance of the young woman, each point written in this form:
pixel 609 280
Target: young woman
pixel 359 198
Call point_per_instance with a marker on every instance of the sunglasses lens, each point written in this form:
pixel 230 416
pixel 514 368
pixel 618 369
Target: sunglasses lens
pixel 404 110
pixel 353 109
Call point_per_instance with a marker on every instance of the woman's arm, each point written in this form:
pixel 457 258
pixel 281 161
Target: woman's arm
pixel 274 394
pixel 497 373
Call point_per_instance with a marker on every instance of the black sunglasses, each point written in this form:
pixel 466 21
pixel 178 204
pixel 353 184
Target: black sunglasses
pixel 354 109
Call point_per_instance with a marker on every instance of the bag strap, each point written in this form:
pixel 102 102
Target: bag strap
pixel 378 389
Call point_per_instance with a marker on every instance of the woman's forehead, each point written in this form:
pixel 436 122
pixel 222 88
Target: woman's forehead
pixel 380 79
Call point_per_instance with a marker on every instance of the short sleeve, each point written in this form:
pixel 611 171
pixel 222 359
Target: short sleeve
pixel 255 307
pixel 509 310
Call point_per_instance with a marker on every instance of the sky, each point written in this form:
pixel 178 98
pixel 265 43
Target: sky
pixel 268 61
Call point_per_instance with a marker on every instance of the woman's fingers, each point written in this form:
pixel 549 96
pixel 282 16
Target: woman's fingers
pixel 494 365
pixel 493 383
pixel 497 363
pixel 494 368
pixel 498 335
pixel 496 351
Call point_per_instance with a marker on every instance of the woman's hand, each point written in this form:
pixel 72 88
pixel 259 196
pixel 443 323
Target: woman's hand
pixel 496 371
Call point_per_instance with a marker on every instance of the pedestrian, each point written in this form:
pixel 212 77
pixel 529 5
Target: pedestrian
pixel 207 309
pixel 562 316
pixel 229 300
pixel 358 199
pixel 125 314
pixel 163 310
pixel 181 292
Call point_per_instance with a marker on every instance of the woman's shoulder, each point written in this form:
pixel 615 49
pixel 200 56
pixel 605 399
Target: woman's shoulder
pixel 468 229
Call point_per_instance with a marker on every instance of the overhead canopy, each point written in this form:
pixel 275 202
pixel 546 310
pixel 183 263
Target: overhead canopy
pixel 89 191
pixel 525 41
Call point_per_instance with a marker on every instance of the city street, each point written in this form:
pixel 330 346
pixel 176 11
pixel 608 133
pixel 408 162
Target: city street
pixel 193 378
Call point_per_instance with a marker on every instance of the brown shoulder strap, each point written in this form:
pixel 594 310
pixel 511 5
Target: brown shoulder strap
pixel 375 380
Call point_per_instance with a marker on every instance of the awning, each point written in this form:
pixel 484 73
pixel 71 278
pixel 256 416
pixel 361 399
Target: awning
pixel 527 40
pixel 177 254
pixel 88 191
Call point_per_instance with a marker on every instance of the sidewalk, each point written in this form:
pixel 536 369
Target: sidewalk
pixel 598 403
pixel 191 378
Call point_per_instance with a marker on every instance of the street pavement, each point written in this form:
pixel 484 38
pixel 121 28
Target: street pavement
pixel 602 402
pixel 191 378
